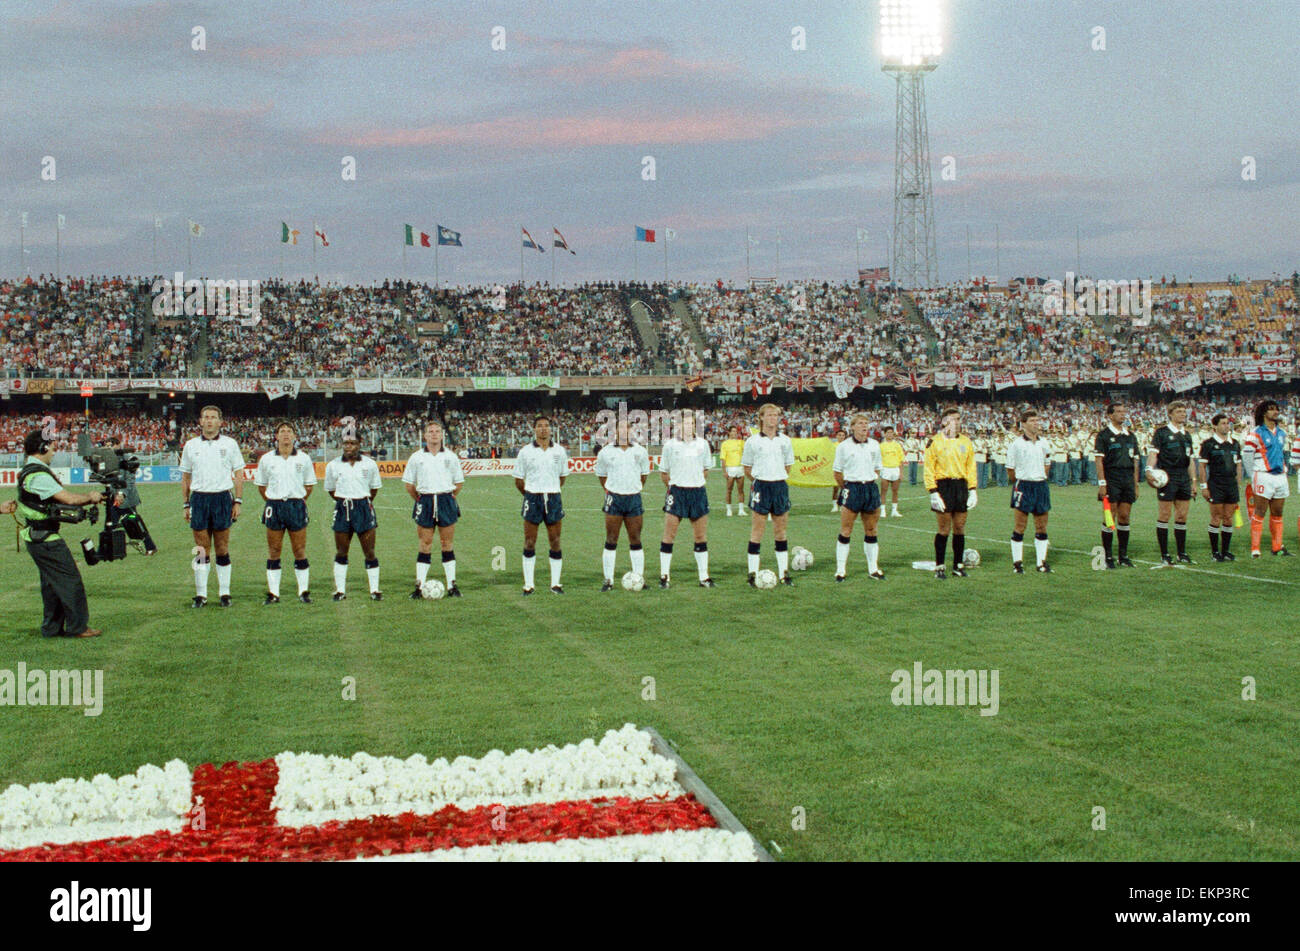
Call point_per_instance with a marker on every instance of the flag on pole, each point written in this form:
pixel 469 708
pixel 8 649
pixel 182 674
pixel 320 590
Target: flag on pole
pixel 196 229
pixel 417 238
pixel 559 242
pixel 288 235
pixel 157 223
pixel 645 234
pixel 530 243
pixel 448 237
pixel 670 234
pixel 753 241
pixel 62 221
pixel 862 234
pixel 320 236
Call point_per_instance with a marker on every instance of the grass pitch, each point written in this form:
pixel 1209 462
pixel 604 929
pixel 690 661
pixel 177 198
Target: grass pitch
pixel 1120 690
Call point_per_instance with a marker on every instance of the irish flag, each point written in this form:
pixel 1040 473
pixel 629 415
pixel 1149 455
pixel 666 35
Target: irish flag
pixel 417 238
pixel 288 235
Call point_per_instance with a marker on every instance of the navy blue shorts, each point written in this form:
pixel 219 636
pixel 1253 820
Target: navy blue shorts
pixel 1032 498
pixel 430 514
pixel 769 498
pixel 860 496
pixel 542 507
pixel 623 506
pixel 691 503
pixel 354 515
pixel 211 511
pixel 285 515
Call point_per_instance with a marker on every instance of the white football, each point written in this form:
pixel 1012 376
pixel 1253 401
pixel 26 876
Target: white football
pixel 633 581
pixel 765 579
pixel 970 558
pixel 433 590
pixel 1158 478
pixel 801 559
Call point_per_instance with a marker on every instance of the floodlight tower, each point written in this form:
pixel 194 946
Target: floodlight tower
pixel 910 44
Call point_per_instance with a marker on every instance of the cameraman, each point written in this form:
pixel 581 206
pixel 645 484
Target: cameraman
pixel 39 489
pixel 126 514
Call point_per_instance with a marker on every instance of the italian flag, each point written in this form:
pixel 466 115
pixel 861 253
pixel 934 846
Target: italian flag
pixel 417 238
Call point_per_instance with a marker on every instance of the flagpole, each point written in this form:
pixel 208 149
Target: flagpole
pixel 58 255
pixel 997 238
pixel 521 257
pixel 436 241
pixel 858 246
pixel 747 275
pixel 22 244
pixel 665 230
pixel 189 247
pixel 314 228
pixel 155 248
pixel 968 269
pixel 553 256
pixel 635 269
pixel 778 258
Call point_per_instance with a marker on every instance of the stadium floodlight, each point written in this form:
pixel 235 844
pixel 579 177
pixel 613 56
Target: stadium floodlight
pixel 911 41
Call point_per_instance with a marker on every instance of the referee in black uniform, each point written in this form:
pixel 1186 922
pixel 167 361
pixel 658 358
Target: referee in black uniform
pixel 1116 452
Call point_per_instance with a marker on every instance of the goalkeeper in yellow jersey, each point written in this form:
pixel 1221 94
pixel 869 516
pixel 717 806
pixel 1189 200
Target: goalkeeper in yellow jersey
pixel 950 480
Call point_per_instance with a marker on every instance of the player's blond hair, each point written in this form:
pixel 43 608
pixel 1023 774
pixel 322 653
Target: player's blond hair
pixel 858 416
pixel 767 406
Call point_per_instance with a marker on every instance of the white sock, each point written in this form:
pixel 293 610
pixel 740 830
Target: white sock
pixel 449 569
pixel 1040 549
pixel 665 562
pixel 638 561
pixel 301 575
pixel 223 579
pixel 201 570
pixel 340 577
pixel 740 508
pixel 872 551
pixel 753 563
pixel 835 506
pixel 421 571
pixel 372 575
pixel 782 563
pixel 607 563
pixel 728 508
pixel 841 557
pixel 702 563
pixel 530 563
pixel 1017 551
pixel 556 564
pixel 273 581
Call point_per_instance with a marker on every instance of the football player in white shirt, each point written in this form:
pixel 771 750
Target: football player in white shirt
pixel 1029 462
pixel 433 478
pixel 285 478
pixel 212 488
pixel 857 478
pixel 837 439
pixel 622 468
pixel 768 459
pixel 353 481
pixel 540 470
pixel 683 467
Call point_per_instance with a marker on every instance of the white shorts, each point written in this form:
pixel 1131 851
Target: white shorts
pixel 735 472
pixel 889 475
pixel 1269 485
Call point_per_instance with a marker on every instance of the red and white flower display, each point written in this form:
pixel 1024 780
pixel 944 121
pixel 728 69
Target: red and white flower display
pixel 616 800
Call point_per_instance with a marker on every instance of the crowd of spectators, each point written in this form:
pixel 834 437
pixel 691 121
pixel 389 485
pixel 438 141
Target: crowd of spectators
pixel 77 327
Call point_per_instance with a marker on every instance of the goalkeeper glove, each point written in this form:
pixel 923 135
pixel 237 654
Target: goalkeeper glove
pixel 936 502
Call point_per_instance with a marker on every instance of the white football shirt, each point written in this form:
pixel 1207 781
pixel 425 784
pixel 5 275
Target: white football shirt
pixel 623 468
pixel 686 462
pixel 211 463
pixel 433 474
pixel 858 461
pixel 541 469
pixel 767 457
pixel 1029 458
pixel 285 477
pixel 352 480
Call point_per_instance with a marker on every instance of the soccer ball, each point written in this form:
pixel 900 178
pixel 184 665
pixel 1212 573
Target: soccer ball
pixel 433 590
pixel 970 558
pixel 1158 478
pixel 765 579
pixel 633 581
pixel 801 559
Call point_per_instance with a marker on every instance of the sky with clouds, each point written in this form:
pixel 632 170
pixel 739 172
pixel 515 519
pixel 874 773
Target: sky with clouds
pixel 1137 148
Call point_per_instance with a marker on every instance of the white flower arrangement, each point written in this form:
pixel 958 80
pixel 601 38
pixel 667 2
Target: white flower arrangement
pixel 152 799
pixel 315 789
pixel 680 845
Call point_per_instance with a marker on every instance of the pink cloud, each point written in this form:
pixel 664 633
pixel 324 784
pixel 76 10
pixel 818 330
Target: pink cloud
pixel 529 132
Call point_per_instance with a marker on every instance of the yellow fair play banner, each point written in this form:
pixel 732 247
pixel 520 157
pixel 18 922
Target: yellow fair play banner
pixel 813 459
